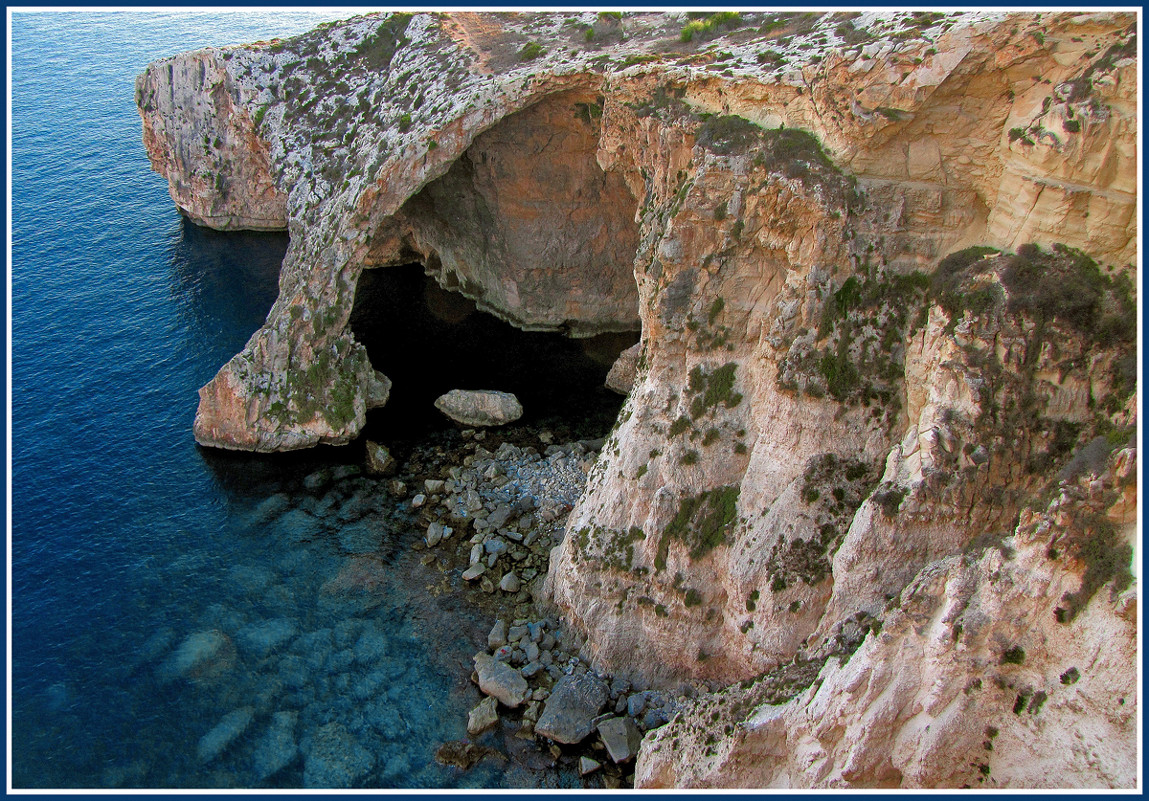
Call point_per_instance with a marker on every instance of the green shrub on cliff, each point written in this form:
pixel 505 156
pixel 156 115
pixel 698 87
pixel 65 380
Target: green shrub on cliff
pixel 1094 540
pixel 377 50
pixel 1068 286
pixel 949 286
pixel 701 522
pixel 707 27
pixel 1062 285
pixel 530 51
pixel 728 134
pixel 713 388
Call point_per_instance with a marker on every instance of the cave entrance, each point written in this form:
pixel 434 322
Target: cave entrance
pixel 526 223
pixel 527 226
pixel 428 341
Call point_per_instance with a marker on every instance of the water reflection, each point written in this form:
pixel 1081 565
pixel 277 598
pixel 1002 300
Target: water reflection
pixel 223 284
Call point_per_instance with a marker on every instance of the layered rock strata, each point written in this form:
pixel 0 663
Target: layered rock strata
pixel 882 268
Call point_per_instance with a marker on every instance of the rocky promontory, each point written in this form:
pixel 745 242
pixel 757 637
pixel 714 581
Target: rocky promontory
pixel 874 482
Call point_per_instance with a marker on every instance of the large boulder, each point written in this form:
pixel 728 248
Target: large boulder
pixel 483 717
pixel 480 407
pixel 622 372
pixel 378 390
pixel 203 655
pixel 500 680
pixel 260 639
pixel 621 738
pixel 277 748
pixel 227 731
pixel 380 462
pixel 571 708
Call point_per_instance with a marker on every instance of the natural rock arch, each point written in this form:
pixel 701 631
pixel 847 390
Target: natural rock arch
pixel 526 223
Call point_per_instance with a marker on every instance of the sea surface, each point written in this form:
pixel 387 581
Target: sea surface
pixel 181 617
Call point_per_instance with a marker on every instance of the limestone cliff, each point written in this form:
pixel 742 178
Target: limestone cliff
pixel 970 681
pixel 882 265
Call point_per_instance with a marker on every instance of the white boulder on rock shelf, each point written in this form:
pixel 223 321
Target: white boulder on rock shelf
pixel 480 407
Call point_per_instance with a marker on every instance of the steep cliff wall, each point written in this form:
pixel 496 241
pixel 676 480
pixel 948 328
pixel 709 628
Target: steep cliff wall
pixel 969 682
pixel 340 129
pixel 834 433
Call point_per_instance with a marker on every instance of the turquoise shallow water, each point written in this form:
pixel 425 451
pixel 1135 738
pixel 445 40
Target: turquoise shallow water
pixel 181 617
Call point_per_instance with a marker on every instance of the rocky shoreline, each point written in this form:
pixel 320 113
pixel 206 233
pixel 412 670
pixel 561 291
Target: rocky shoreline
pixel 490 519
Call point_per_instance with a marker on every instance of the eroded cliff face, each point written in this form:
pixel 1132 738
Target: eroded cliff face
pixel 970 681
pixel 222 177
pixel 527 223
pixel 353 136
pixel 836 439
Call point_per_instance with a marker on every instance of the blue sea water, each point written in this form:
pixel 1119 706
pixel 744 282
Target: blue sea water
pixel 159 590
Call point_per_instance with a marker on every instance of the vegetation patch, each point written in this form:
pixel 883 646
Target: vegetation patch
pixel 728 134
pixel 614 549
pixel 1070 301
pixel 1062 285
pixel 889 499
pixel 709 389
pixel 863 329
pixel 589 112
pixel 853 35
pixel 666 103
pixel 833 486
pixel 1092 539
pixel 377 50
pixel 701 523
pixel 326 387
pixel 702 26
pixel 1013 656
pixel 680 425
pixel 772 59
pixel 531 51
pixel 1068 286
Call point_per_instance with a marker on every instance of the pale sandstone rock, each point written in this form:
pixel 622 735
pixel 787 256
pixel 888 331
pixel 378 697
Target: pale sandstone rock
pixel 931 702
pixel 622 372
pixel 500 680
pixel 480 407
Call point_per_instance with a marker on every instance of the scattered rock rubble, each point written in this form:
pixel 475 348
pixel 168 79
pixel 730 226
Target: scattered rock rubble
pixel 490 524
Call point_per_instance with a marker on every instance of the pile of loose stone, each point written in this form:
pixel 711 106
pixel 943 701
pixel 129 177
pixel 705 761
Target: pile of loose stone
pixel 500 513
pixel 492 522
pixel 528 666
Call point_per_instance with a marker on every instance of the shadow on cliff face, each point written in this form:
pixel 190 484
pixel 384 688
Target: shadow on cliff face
pixel 429 341
pixel 526 221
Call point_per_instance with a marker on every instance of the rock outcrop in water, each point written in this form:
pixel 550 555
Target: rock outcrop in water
pixel 875 470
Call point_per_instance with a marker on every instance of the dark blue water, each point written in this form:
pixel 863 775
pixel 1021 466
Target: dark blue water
pixel 159 588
